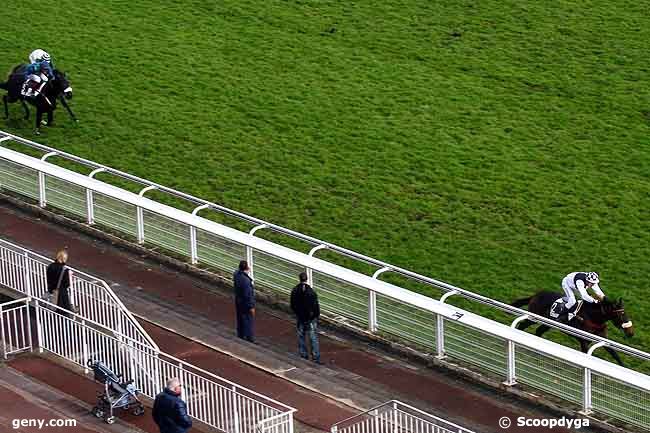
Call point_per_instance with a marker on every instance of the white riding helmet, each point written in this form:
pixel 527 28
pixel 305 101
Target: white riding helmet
pixel 592 278
pixel 39 56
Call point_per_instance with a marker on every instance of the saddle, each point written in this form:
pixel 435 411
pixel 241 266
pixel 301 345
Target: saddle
pixel 558 308
pixel 33 86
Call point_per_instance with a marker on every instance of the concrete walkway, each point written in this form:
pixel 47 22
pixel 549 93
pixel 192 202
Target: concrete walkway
pixel 355 375
pixel 25 399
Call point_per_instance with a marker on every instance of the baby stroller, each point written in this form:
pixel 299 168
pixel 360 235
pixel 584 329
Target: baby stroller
pixel 116 395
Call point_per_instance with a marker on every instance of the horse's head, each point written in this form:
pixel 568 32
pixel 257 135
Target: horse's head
pixel 61 84
pixel 615 311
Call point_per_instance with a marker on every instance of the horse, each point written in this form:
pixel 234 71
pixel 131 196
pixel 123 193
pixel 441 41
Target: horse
pixel 591 317
pixel 56 88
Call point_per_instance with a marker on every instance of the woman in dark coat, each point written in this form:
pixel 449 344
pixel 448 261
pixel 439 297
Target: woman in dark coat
pixel 58 271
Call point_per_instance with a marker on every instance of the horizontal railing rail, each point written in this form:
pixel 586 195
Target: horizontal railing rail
pixel 24 270
pixel 352 297
pixel 446 287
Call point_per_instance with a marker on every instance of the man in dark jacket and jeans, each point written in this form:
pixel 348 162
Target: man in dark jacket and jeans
pixel 244 302
pixel 304 303
pixel 169 410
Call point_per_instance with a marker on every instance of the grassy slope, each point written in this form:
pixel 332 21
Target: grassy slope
pixel 496 145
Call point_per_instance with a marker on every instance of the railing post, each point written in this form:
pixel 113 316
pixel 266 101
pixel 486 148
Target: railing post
pixel 90 213
pixel 28 280
pixel 194 254
pixel 29 326
pixel 194 251
pixel 396 427
pixel 84 340
pixel 90 207
pixel 372 302
pixel 511 380
pixel 512 377
pixel 140 224
pixel 249 249
pixel 310 272
pixel 235 409
pixel 586 389
pixel 440 328
pixel 2 332
pixel 140 214
pixel 42 200
pixel 39 328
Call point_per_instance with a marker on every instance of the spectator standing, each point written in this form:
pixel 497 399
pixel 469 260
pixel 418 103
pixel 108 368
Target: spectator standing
pixel 58 280
pixel 169 410
pixel 244 302
pixel 304 303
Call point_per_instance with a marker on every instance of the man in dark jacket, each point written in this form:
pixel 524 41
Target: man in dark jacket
pixel 304 303
pixel 169 410
pixel 244 302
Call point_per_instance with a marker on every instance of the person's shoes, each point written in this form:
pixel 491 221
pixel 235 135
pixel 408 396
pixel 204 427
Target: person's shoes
pixel 317 361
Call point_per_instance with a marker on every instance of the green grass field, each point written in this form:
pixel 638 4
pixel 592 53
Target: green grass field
pixel 495 145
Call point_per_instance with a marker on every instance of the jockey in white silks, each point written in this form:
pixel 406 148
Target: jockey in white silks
pixel 580 282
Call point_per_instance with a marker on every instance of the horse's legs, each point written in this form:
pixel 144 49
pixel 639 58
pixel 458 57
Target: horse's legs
pixel 615 355
pixel 39 117
pixel 525 324
pixel 541 330
pixel 67 107
pixel 4 99
pixel 50 117
pixel 24 104
pixel 584 344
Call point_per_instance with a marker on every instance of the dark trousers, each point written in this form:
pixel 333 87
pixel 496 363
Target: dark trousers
pixel 245 323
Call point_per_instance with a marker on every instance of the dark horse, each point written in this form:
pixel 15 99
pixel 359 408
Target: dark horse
pixel 56 88
pixel 591 318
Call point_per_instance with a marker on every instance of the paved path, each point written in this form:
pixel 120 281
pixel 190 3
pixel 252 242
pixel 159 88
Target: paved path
pixel 353 373
pixel 24 399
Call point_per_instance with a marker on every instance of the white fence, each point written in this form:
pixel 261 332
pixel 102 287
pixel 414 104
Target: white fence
pixel 15 327
pixel 396 417
pixel 448 332
pixel 210 399
pixel 25 271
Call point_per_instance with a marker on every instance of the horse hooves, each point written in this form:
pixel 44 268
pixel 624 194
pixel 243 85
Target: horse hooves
pixel 37 132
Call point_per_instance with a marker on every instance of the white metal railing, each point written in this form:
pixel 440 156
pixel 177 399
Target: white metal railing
pixel 396 417
pixel 447 331
pixel 25 271
pixel 15 327
pixel 210 399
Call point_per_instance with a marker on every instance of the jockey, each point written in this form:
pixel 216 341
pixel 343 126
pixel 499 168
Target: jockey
pixel 580 281
pixel 38 73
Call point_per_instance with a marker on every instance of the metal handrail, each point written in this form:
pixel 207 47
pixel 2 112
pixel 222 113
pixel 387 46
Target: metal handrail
pixel 107 288
pixel 343 251
pixel 396 405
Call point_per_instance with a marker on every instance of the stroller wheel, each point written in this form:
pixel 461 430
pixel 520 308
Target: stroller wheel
pixel 110 420
pixel 138 410
pixel 97 412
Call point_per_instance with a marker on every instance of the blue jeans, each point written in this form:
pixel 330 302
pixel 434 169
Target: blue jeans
pixel 310 328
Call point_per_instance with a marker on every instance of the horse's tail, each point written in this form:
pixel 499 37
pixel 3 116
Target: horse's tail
pixel 4 85
pixel 521 302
